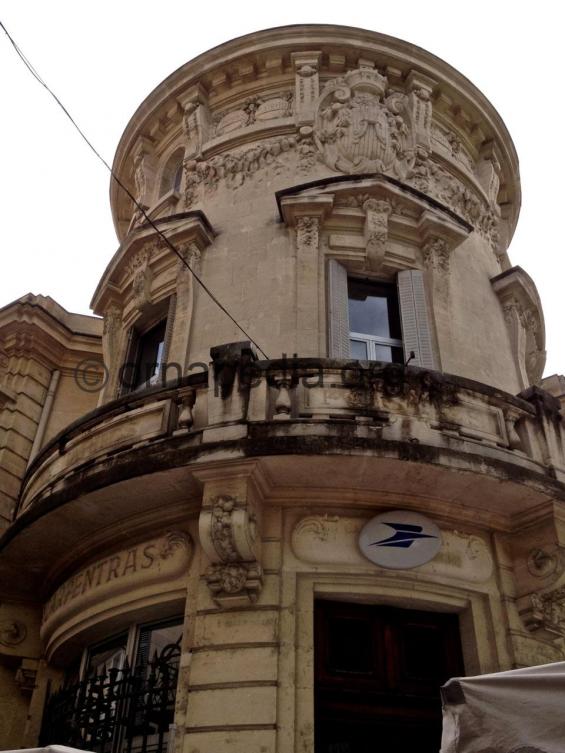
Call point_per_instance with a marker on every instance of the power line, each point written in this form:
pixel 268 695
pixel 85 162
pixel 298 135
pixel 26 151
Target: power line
pixel 139 206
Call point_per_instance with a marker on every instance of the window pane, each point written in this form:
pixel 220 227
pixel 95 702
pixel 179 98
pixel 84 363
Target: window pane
pixel 373 309
pixel 388 354
pixel 151 346
pixel 358 349
pixel 108 655
pixel 161 642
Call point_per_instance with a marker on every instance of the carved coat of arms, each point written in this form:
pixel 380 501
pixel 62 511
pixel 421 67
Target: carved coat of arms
pixel 359 129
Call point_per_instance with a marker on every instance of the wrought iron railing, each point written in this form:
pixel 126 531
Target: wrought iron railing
pixel 127 710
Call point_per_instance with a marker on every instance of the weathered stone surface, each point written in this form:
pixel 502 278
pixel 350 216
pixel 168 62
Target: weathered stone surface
pixel 227 491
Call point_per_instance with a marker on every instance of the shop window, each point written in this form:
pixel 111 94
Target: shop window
pixel 124 698
pixel 379 321
pixel 378 671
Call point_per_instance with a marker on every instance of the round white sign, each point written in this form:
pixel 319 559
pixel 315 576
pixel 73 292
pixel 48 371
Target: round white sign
pixel 400 540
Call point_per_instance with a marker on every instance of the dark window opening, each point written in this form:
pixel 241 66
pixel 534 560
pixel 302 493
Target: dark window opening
pixel 374 321
pixel 172 173
pixel 378 671
pixel 149 359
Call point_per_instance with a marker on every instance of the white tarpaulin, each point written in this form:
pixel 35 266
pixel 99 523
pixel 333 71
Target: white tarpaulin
pixel 521 711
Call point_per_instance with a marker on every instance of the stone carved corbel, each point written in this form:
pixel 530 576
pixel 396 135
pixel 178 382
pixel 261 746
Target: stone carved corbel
pixel 141 278
pixel 420 109
pixel 229 535
pixel 144 168
pixel 522 311
pixel 195 121
pixel 544 613
pixel 435 253
pixel 111 332
pixel 377 213
pixel 488 172
pixel 307 86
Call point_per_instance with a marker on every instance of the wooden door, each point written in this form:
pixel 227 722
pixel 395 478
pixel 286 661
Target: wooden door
pixel 378 671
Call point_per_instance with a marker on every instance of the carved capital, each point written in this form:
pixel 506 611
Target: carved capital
pixel 307 232
pixel 192 255
pixel 112 320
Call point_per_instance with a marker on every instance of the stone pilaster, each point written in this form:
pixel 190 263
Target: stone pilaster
pixel 306 215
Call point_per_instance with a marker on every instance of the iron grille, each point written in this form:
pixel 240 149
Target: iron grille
pixel 127 710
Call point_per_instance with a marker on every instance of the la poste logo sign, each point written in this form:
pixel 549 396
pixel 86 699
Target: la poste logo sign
pixel 400 540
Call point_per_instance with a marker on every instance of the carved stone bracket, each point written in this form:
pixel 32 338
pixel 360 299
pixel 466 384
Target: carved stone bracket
pixel 435 253
pixel 229 528
pixel 377 213
pixel 144 166
pixel 195 120
pixel 420 89
pixel 139 270
pixel 307 86
pixel 544 613
pixel 522 310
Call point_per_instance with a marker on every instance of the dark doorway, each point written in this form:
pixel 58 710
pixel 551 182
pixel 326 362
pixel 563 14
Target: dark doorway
pixel 378 671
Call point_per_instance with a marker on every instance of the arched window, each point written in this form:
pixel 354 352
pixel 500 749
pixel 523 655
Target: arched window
pixel 172 173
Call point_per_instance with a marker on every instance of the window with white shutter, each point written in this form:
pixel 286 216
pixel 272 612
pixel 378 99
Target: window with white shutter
pixel 416 331
pixel 379 321
pixel 338 323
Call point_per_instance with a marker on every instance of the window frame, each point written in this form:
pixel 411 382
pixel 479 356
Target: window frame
pixel 417 318
pixel 390 293
pixel 164 311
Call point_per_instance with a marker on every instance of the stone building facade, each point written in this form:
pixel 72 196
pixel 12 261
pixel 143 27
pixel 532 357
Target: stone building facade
pixel 181 507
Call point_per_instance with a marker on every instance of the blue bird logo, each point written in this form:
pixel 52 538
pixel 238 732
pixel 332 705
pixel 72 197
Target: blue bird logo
pixel 404 536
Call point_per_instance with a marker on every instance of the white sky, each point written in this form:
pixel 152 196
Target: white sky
pixel 102 58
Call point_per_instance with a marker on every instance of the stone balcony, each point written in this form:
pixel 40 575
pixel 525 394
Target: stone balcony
pixel 404 436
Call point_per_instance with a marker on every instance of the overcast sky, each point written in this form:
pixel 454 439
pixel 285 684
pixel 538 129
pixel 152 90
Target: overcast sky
pixel 102 58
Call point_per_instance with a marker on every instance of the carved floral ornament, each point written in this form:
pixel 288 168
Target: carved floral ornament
pixel 360 122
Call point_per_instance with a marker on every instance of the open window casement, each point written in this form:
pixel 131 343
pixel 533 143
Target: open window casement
pixel 416 331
